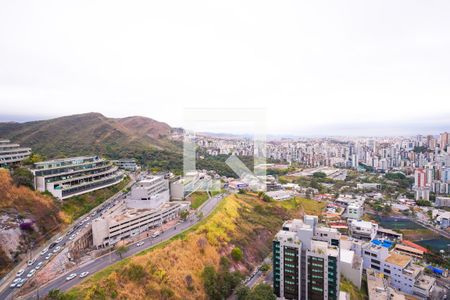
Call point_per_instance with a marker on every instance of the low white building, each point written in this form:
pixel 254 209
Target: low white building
pixel 147 207
pixel 362 229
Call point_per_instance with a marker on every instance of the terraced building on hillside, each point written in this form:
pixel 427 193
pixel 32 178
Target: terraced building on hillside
pixel 69 177
pixel 11 153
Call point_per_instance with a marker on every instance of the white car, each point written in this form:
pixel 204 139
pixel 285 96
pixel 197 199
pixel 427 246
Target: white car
pixel 20 283
pixel 156 234
pixel 31 261
pixel 20 273
pixel 139 244
pixel 59 239
pixel 48 256
pixel 39 265
pixel 45 250
pixel 15 282
pixel 31 273
pixel 84 274
pixel 71 276
pixel 57 249
pixel 72 237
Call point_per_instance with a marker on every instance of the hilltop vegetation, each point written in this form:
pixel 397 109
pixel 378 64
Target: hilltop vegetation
pixel 198 263
pixel 92 133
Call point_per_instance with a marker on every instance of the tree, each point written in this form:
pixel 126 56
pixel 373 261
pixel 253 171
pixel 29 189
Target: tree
pixel 236 254
pixel 242 292
pixel 121 250
pixel 22 176
pixel 319 175
pixel 184 214
pixel 262 292
pixel 56 294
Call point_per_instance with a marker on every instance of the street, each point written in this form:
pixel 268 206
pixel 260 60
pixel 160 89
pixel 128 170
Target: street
pixel 108 259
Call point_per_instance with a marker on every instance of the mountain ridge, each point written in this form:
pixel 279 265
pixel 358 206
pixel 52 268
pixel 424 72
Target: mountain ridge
pixel 91 133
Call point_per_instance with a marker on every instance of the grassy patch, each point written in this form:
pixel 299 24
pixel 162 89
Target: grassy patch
pixel 198 198
pixel 354 292
pixel 77 206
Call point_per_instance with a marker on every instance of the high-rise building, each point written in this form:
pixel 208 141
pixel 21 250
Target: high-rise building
pixel 11 153
pixel 443 140
pixel 306 261
pixel 420 178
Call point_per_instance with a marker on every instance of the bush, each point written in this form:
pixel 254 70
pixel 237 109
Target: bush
pixel 236 254
pixel 219 285
pixel 22 176
pixel 135 273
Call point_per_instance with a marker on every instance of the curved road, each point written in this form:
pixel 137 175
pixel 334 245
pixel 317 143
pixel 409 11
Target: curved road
pixel 106 260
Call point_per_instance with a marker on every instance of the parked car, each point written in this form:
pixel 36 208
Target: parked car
pixel 71 276
pixel 21 282
pixel 59 239
pixel 15 282
pixel 45 250
pixel 31 273
pixel 39 265
pixel 84 274
pixel 31 261
pixel 20 272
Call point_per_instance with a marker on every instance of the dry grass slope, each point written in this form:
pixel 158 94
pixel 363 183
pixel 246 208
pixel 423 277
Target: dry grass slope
pixel 173 269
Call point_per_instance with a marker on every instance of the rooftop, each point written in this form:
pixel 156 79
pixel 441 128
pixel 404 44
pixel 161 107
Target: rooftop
pixel 398 259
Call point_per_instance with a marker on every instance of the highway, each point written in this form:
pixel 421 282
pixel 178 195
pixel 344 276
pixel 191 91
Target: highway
pixel 59 240
pixel 108 259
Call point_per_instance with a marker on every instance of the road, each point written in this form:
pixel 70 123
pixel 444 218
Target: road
pixel 7 293
pixel 106 260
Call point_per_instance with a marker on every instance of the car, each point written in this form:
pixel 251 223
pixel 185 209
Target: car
pixel 72 237
pixel 39 265
pixel 31 261
pixel 139 244
pixel 31 273
pixel 15 282
pixel 20 273
pixel 48 256
pixel 45 250
pixel 71 276
pixel 156 234
pixel 21 282
pixel 59 239
pixel 52 245
pixel 56 249
pixel 84 274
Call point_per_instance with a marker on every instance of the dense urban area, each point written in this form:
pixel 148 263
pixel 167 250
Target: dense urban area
pixel 330 218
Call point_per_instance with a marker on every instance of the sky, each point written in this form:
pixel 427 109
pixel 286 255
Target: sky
pixel 314 67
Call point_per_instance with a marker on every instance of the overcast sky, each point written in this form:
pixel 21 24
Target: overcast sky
pixel 317 67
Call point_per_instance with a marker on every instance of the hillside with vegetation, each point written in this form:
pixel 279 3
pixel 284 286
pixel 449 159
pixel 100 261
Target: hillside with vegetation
pixel 27 218
pixel 206 262
pixel 91 133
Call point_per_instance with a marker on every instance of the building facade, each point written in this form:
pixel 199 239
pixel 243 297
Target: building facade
pixel 11 153
pixel 68 177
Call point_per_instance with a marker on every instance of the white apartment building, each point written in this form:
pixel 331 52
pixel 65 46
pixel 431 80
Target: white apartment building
pixel 149 193
pixel 68 177
pixel 355 210
pixel 360 229
pixel 11 153
pixel 400 270
pixel 147 207
pixel 304 266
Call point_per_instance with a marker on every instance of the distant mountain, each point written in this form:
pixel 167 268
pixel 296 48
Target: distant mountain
pixel 92 133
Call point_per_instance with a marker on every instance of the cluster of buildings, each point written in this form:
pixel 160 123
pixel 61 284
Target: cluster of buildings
pixel 380 154
pixel 309 259
pixel 147 206
pixel 12 153
pixel 432 178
